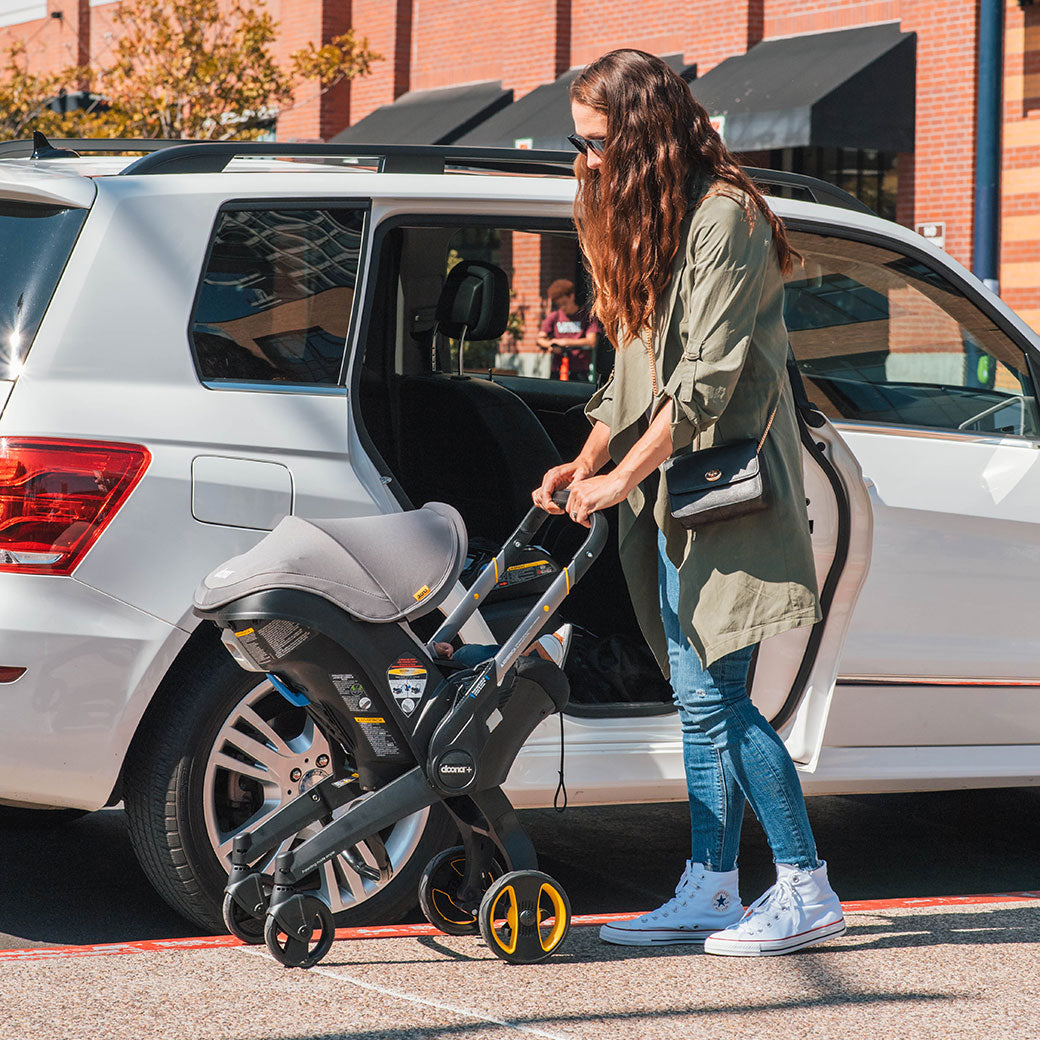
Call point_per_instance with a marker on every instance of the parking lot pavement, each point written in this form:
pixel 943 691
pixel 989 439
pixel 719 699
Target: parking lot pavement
pixel 926 970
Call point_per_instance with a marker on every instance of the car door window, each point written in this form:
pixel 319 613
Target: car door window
pixel 549 307
pixel 276 296
pixel 881 337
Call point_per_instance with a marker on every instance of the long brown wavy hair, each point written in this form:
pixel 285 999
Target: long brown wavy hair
pixel 628 211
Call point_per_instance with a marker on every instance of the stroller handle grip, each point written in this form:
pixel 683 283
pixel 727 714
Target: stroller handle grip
pixel 553 596
pixel 531 524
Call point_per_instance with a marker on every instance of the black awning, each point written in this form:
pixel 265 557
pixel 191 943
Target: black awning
pixel 853 88
pixel 428 116
pixel 542 118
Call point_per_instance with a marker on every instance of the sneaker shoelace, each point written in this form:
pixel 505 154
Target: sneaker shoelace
pixel 688 884
pixel 769 906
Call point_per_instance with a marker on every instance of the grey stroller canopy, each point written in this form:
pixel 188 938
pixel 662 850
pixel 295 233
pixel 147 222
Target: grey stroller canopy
pixel 378 568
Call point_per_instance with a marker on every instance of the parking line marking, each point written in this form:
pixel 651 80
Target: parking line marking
pixel 440 1005
pixel 862 906
pixel 403 931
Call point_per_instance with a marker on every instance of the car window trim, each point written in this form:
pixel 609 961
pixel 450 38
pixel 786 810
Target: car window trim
pixel 337 389
pixel 1030 352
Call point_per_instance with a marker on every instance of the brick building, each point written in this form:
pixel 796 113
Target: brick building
pixel 506 49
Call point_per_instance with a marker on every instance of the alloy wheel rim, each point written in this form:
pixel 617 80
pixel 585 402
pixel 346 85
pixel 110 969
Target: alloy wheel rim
pixel 264 755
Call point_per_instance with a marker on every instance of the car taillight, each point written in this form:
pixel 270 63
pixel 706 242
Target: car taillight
pixel 57 496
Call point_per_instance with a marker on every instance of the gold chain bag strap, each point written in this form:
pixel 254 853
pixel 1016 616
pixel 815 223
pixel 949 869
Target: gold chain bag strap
pixel 718 483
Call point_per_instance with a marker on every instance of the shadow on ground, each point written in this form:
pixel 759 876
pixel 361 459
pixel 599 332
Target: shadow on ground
pixel 78 882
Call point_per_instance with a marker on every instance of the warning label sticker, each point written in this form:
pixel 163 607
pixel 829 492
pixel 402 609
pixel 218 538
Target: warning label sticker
pixel 378 735
pixel 352 692
pixel 272 641
pixel 407 678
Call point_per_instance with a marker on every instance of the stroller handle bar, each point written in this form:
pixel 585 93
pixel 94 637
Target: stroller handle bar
pixel 549 601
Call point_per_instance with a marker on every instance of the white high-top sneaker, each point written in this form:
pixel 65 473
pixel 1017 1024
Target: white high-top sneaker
pixel 704 901
pixel 800 910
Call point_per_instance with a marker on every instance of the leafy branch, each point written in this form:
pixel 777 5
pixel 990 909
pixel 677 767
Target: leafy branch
pixel 181 68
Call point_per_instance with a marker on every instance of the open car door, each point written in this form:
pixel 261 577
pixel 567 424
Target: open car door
pixel 795 672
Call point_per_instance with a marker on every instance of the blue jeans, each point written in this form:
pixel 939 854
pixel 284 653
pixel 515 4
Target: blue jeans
pixel 731 754
pixel 472 654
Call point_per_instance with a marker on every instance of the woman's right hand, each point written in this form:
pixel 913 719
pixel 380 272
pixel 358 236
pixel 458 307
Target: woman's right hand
pixel 556 478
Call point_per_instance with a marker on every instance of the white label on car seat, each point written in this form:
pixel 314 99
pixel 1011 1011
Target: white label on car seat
pixel 352 691
pixel 407 678
pixel 281 637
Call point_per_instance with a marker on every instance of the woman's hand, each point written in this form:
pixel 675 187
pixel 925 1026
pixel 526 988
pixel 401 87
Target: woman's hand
pixel 558 477
pixel 596 493
pixel 592 457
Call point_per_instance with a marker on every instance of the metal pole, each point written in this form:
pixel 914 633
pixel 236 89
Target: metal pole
pixel 986 243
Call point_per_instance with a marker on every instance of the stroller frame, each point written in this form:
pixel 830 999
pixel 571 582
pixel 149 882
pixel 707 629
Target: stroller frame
pixel 458 751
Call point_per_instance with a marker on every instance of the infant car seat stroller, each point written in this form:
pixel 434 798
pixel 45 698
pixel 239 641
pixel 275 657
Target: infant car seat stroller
pixel 323 608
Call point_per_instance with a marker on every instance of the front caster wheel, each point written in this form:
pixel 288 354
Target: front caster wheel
pixel 312 927
pixel 438 891
pixel 524 917
pixel 242 924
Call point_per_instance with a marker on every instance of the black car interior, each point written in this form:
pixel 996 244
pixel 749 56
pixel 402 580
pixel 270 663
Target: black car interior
pixel 447 433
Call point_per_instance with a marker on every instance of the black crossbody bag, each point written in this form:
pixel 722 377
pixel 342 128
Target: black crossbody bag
pixel 719 483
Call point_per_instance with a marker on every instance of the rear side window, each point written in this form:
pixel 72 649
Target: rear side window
pixel 35 243
pixel 277 294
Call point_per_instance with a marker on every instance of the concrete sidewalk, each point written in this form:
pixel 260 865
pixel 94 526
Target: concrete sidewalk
pixel 933 971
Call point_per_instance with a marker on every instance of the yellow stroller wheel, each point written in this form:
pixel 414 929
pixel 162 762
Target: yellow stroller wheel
pixel 524 917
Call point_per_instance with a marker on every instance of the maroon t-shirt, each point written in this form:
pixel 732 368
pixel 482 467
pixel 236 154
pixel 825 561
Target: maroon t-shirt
pixel 559 325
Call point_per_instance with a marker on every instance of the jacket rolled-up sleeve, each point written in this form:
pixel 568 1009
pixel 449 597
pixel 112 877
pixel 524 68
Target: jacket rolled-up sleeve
pixel 601 405
pixel 721 292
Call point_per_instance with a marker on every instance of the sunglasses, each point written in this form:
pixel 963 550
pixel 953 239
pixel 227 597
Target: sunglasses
pixel 586 144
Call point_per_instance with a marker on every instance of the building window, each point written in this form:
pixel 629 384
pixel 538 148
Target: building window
pixel 873 177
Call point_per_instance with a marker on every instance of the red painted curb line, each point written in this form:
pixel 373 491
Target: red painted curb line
pixel 400 931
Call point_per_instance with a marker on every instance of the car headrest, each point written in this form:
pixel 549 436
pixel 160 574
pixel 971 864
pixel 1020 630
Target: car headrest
pixel 474 302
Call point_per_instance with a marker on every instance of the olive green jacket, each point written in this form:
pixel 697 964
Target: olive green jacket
pixel 721 362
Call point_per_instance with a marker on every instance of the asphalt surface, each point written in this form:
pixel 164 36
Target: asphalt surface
pixel 79 883
pixel 926 970
pixel 923 973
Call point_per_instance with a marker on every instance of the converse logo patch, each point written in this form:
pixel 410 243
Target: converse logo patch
pixel 720 901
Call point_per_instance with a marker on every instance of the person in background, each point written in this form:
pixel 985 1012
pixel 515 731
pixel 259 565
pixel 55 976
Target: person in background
pixel 569 332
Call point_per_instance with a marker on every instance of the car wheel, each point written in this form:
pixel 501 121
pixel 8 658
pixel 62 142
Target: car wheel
pixel 222 751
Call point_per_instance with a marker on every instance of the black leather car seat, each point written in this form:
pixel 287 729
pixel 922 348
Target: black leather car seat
pixel 467 440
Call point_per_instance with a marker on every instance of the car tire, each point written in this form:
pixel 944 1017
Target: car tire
pixel 189 786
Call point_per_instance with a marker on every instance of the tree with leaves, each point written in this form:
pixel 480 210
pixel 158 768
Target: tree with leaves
pixel 26 98
pixel 182 69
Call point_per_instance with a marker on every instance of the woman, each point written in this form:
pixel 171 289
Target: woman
pixel 686 261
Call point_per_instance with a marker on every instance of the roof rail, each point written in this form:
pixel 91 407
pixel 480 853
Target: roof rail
pixel 212 157
pixel 116 146
pixel 163 156
pixel 819 191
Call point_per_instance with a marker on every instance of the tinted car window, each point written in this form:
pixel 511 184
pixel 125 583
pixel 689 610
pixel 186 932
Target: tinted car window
pixel 35 242
pixel 276 296
pixel 880 337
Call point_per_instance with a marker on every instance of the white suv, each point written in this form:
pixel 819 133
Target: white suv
pixel 197 342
